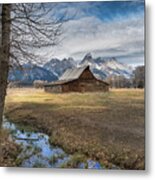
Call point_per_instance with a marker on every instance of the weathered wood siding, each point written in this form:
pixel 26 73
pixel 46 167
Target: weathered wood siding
pixel 85 86
pixel 87 75
pixel 92 86
pixel 54 89
pixel 70 86
pixel 86 83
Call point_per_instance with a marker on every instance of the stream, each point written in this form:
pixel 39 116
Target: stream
pixel 38 152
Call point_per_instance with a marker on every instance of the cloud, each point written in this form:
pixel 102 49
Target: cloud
pixel 123 38
pixel 108 29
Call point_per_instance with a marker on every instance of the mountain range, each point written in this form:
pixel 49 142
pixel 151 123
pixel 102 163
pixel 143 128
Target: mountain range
pixel 53 69
pixel 104 67
pixel 101 67
pixel 29 72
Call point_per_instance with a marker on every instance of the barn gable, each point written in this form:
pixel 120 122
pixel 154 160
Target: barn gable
pixel 73 74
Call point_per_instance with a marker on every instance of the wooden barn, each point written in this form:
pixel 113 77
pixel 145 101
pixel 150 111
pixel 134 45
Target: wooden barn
pixel 77 80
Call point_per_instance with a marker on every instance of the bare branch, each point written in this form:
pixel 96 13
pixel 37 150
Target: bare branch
pixel 32 27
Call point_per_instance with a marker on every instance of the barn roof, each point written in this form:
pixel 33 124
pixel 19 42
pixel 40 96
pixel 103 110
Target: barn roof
pixel 72 74
pixel 59 82
pixel 69 75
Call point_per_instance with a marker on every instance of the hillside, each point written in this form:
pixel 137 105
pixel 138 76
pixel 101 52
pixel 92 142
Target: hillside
pixel 29 73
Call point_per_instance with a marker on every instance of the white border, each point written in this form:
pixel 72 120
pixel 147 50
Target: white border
pixel 149 173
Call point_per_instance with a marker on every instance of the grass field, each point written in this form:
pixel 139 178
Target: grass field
pixel 108 126
pixel 8 150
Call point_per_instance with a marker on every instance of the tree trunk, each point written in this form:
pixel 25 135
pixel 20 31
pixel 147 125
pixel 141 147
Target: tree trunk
pixel 4 54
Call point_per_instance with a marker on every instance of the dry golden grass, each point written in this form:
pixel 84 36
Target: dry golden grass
pixel 8 150
pixel 105 126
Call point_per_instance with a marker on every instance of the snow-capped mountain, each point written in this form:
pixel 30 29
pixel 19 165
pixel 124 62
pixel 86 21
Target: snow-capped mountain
pixel 59 66
pixel 29 73
pixel 100 66
pixel 104 67
pixel 53 69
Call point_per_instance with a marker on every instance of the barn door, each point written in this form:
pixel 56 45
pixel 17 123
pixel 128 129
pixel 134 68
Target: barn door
pixel 82 87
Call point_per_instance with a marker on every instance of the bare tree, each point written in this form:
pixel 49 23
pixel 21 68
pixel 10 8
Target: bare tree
pixel 25 28
pixel 139 77
pixel 119 81
pixel 4 54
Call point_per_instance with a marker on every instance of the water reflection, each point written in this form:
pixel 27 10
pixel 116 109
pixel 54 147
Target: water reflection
pixel 38 152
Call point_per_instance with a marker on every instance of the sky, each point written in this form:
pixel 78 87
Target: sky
pixel 107 29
